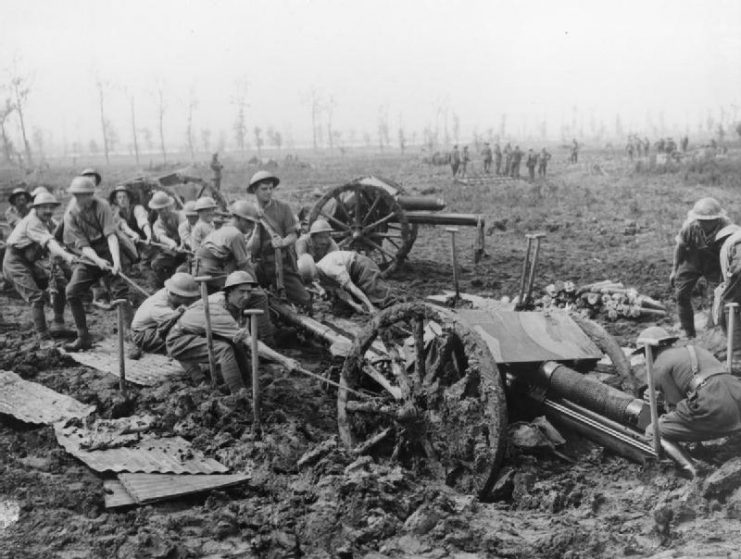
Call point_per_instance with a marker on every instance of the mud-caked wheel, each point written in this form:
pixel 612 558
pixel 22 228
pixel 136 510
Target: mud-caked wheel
pixel 368 219
pixel 432 397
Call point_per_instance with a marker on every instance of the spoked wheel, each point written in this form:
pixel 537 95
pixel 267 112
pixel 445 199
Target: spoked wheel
pixel 369 220
pixel 432 401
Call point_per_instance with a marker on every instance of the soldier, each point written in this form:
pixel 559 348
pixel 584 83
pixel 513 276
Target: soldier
pixel 455 160
pixel 646 146
pixel 134 218
pixel 89 227
pixel 158 313
pixel 497 160
pixel 516 160
pixel 28 266
pixel 507 159
pixel 185 229
pixel 165 230
pixel 317 242
pixel 703 398
pixel 20 205
pixel 487 155
pixel 729 290
pixel 277 233
pixel 186 340
pixel 465 158
pixel 347 274
pixel 696 256
pixel 543 162
pixel 92 174
pixel 530 163
pixel 574 151
pixel 205 207
pixel 38 190
pixel 225 250
pixel 216 167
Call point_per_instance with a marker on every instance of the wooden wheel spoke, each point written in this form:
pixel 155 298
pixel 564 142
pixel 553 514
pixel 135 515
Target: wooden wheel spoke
pixel 419 349
pixel 399 369
pixel 347 241
pixel 377 223
pixel 356 217
pixel 369 213
pixel 368 444
pixel 335 221
pixel 341 204
pixel 379 248
pixel 396 392
pixel 369 406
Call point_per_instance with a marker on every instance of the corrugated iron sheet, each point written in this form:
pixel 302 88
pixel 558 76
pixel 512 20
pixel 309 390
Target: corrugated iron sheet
pixel 151 369
pixel 148 488
pixel 164 455
pixel 34 403
pixel 115 495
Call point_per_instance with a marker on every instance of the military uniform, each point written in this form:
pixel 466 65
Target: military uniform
pixel 705 401
pixel 306 245
pixel 532 161
pixel 543 162
pixel 13 216
pixel 340 267
pixel 455 161
pixel 187 342
pixel 497 160
pixel 199 232
pixel 29 268
pixel 166 230
pixel 486 152
pixel 281 218
pixel 224 251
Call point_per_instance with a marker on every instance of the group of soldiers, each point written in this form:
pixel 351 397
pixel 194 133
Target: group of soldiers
pixel 506 161
pixel 243 256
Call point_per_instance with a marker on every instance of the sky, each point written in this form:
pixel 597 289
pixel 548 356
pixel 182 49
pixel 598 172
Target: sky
pixel 415 60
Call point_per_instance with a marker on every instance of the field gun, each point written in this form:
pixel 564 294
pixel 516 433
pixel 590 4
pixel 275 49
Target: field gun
pixel 433 387
pixel 373 216
pixel 180 186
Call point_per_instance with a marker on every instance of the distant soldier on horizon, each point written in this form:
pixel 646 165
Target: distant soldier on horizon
pixel 516 160
pixel 543 162
pixel 507 159
pixel 497 160
pixel 465 158
pixel 574 151
pixel 455 160
pixel 486 152
pixel 531 162
pixel 216 167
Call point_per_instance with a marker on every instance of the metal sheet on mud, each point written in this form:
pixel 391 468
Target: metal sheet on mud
pixel 151 369
pixel 522 337
pixel 34 403
pixel 163 455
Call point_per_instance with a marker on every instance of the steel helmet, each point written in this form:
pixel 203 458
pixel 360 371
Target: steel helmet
pixel 161 200
pixel 81 185
pixel 306 267
pixel 727 231
pixel 245 210
pixel 182 284
pixel 320 226
pixel 190 208
pixel 17 192
pixel 205 203
pixel 706 209
pixel 38 190
pixel 122 188
pixel 654 333
pixel 240 277
pixel 45 199
pixel 262 176
pixel 90 172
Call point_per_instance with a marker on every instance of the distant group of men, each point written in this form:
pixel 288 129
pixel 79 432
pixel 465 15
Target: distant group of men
pixel 506 162
pixel 245 257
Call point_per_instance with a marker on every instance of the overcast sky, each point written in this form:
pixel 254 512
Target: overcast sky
pixel 532 60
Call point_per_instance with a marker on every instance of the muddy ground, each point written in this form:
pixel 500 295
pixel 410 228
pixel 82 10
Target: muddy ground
pixel 308 497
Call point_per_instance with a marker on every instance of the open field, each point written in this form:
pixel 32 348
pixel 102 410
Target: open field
pixel 603 219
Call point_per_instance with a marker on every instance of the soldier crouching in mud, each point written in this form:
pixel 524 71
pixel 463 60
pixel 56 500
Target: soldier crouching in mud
pixel 702 397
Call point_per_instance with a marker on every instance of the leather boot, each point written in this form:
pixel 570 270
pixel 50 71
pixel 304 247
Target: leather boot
pixel 57 328
pixel 39 320
pixel 83 340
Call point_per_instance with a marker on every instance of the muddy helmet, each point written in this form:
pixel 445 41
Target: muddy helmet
pixel 727 231
pixel 45 199
pixel 654 333
pixel 93 174
pixel 205 203
pixel 240 277
pixel 190 208
pixel 262 176
pixel 306 267
pixel 320 226
pixel 161 200
pixel 182 284
pixel 245 210
pixel 18 192
pixel 122 188
pixel 706 209
pixel 81 185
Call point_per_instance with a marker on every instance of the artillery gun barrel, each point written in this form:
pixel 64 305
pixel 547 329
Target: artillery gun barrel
pixel 424 203
pixel 591 394
pixel 444 218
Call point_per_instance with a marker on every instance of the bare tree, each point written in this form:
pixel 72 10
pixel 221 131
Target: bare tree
pixel 206 139
pixel 38 139
pixel 5 113
pixel 329 108
pixel 240 123
pixel 192 106
pixel 275 138
pixel 315 102
pixel 161 107
pixel 456 127
pixel 135 139
pixel 20 88
pixel 103 122
pixel 258 140
pixel 148 139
